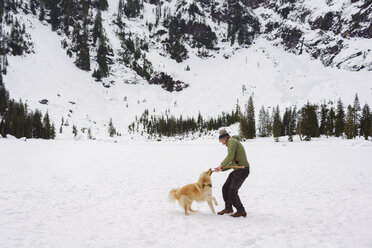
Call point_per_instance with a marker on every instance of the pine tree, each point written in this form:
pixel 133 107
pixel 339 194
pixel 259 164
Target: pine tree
pixel 1 10
pixel 269 125
pixel 247 121
pixel 309 122
pixel 340 119
pixel 2 128
pixel 54 14
pixel 277 124
pixel 28 125
pixel 132 8
pixel 292 124
pixel 111 129
pixel 120 13
pixel 4 95
pixel 330 123
pixel 47 128
pixel 37 125
pixel 262 123
pixel 74 131
pixel 350 130
pixel 53 131
pixel 97 28
pixel 323 118
pixel 251 132
pixel 101 4
pixel 90 133
pixel 286 117
pixel 67 9
pixel 103 69
pixel 42 11
pixel 32 6
pixel 357 110
pixel 365 121
pixel 83 56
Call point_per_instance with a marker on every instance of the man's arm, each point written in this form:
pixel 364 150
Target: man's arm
pixel 230 154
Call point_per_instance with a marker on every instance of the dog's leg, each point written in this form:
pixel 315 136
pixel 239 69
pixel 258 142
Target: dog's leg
pixel 186 213
pixel 211 206
pixel 215 201
pixel 185 202
pixel 192 210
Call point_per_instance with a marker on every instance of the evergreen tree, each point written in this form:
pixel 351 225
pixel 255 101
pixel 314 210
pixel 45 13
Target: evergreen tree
pixel 37 125
pixel 42 11
pixel 54 14
pixel 47 128
pixel 309 121
pixel 357 110
pixel 263 129
pixel 292 124
pixel 83 56
pixel 53 131
pixel 103 69
pixel 323 118
pixel 32 6
pixel 330 123
pixel 132 8
pixel 74 131
pixel 67 9
pixel 277 124
pixel 101 4
pixel 247 121
pixel 111 129
pixel 90 133
pixel 340 119
pixel 2 127
pixel 77 39
pixel 365 121
pixel 250 118
pixel 120 11
pixel 28 126
pixel 1 10
pixel 350 130
pixel 269 124
pixel 286 117
pixel 4 96
pixel 97 28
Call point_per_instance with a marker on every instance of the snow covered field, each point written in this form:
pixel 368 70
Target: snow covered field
pixel 80 194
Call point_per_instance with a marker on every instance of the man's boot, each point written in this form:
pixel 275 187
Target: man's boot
pixel 225 211
pixel 240 213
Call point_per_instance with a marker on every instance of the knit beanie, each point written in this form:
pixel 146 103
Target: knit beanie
pixel 223 134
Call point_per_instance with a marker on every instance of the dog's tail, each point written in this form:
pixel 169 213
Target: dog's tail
pixel 173 195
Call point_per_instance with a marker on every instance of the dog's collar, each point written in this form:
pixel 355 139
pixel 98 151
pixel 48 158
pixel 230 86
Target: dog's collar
pixel 203 185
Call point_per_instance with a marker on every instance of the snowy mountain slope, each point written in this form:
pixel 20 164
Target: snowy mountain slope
pixel 272 75
pixel 216 83
pixel 336 32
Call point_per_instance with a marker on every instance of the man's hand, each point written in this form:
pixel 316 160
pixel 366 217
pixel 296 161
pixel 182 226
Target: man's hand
pixel 218 169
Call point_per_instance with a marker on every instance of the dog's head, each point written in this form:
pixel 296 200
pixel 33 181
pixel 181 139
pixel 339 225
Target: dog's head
pixel 205 177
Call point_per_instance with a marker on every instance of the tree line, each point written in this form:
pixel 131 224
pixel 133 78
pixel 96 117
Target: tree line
pixel 17 120
pixel 168 125
pixel 308 121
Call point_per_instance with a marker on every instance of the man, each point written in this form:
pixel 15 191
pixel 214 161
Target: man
pixel 236 157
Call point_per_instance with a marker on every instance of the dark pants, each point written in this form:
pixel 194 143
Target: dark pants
pixel 230 189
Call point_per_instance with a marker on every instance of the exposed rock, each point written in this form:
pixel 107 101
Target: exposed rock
pixel 44 101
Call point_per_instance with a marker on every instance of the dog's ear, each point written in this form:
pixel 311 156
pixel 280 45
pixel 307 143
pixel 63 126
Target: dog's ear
pixel 210 171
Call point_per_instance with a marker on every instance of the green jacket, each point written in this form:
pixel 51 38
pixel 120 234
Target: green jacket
pixel 236 153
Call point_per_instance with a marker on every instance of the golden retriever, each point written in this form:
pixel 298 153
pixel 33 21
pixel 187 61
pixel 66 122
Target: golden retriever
pixel 199 191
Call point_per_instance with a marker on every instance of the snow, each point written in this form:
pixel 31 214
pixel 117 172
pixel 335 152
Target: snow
pixel 104 194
